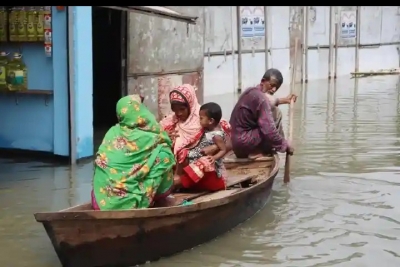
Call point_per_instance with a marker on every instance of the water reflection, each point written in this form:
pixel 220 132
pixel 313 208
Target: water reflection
pixel 341 208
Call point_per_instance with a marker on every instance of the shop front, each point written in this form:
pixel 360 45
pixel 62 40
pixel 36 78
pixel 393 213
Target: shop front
pixel 63 68
pixel 126 49
pixel 34 79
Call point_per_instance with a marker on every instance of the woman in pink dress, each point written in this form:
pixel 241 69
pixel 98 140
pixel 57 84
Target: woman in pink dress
pixel 183 126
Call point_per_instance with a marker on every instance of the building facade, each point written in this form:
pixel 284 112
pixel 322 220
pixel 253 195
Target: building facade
pixel 218 49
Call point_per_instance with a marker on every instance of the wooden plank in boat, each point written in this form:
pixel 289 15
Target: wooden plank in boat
pixel 217 195
pixel 81 207
pixel 180 197
pixel 232 162
pixel 237 179
pixel 233 159
pixel 248 165
pixel 231 181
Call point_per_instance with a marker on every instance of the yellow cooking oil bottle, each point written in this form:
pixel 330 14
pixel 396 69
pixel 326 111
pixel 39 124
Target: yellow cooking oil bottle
pixel 13 24
pixel 22 22
pixel 40 23
pixel 17 74
pixel 3 24
pixel 31 24
pixel 3 71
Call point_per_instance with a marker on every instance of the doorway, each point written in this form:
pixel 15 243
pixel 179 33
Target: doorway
pixel 109 73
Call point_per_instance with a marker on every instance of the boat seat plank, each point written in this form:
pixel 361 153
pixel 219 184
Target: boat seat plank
pixel 241 171
pixel 179 198
pixel 231 181
pixel 81 207
pixel 232 162
pixel 237 179
pixel 217 195
pixel 231 158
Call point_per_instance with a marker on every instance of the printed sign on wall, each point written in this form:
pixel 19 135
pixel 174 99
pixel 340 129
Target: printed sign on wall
pixel 258 21
pixel 252 21
pixel 247 22
pixel 348 27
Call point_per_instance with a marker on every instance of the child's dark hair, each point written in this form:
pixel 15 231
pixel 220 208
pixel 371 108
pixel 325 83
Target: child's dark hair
pixel 213 111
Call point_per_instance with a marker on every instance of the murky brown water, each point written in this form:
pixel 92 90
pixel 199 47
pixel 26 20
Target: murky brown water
pixel 340 209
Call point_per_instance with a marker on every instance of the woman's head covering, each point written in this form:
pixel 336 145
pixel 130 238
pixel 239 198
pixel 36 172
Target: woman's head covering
pixel 185 94
pixel 132 114
pixel 190 129
pixel 134 162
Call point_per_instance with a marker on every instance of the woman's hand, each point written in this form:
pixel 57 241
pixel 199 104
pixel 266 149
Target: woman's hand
pixel 210 150
pixel 172 135
pixel 210 159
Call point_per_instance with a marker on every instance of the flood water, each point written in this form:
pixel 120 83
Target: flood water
pixel 340 208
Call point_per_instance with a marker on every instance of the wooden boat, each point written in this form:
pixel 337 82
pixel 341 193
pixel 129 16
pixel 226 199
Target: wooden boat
pixel 85 238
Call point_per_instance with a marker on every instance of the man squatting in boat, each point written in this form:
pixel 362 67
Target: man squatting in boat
pixel 256 120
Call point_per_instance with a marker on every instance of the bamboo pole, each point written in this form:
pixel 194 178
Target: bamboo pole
pixel 360 74
pixel 286 176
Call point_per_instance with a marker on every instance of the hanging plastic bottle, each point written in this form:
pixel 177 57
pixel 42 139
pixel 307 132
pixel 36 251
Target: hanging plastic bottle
pixel 31 25
pixel 48 39
pixel 12 24
pixel 22 23
pixel 3 24
pixel 40 23
pixel 3 71
pixel 17 74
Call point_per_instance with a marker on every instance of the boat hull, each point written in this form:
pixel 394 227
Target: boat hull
pixel 86 238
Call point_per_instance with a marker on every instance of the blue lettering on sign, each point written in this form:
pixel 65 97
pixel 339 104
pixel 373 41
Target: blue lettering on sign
pixel 247 27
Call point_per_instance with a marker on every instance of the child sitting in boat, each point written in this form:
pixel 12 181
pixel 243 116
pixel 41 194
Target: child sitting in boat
pixel 210 117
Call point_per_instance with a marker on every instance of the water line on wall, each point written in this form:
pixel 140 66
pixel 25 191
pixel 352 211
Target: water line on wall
pixel 398 53
pixel 306 45
pixel 313 14
pixel 232 40
pixel 266 36
pixel 303 23
pixel 233 44
pixel 239 43
pixel 357 50
pixel 331 21
pixel 336 41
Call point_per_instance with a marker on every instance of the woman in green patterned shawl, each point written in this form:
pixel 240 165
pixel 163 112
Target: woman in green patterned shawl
pixel 133 167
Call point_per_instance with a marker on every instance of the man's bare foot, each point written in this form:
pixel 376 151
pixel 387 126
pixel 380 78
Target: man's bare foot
pixel 255 156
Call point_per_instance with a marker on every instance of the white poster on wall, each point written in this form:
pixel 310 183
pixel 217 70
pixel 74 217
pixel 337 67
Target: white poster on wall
pixel 247 18
pixel 258 21
pixel 348 27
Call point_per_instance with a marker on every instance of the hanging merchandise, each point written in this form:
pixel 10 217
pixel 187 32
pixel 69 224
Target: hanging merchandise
pixel 13 24
pixel 3 71
pixel 48 37
pixel 22 22
pixel 3 24
pixel 17 74
pixel 31 25
pixel 40 23
pixel 48 42
pixel 47 17
pixel 47 50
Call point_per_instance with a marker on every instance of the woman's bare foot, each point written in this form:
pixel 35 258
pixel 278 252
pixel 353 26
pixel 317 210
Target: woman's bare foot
pixel 165 202
pixel 177 181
